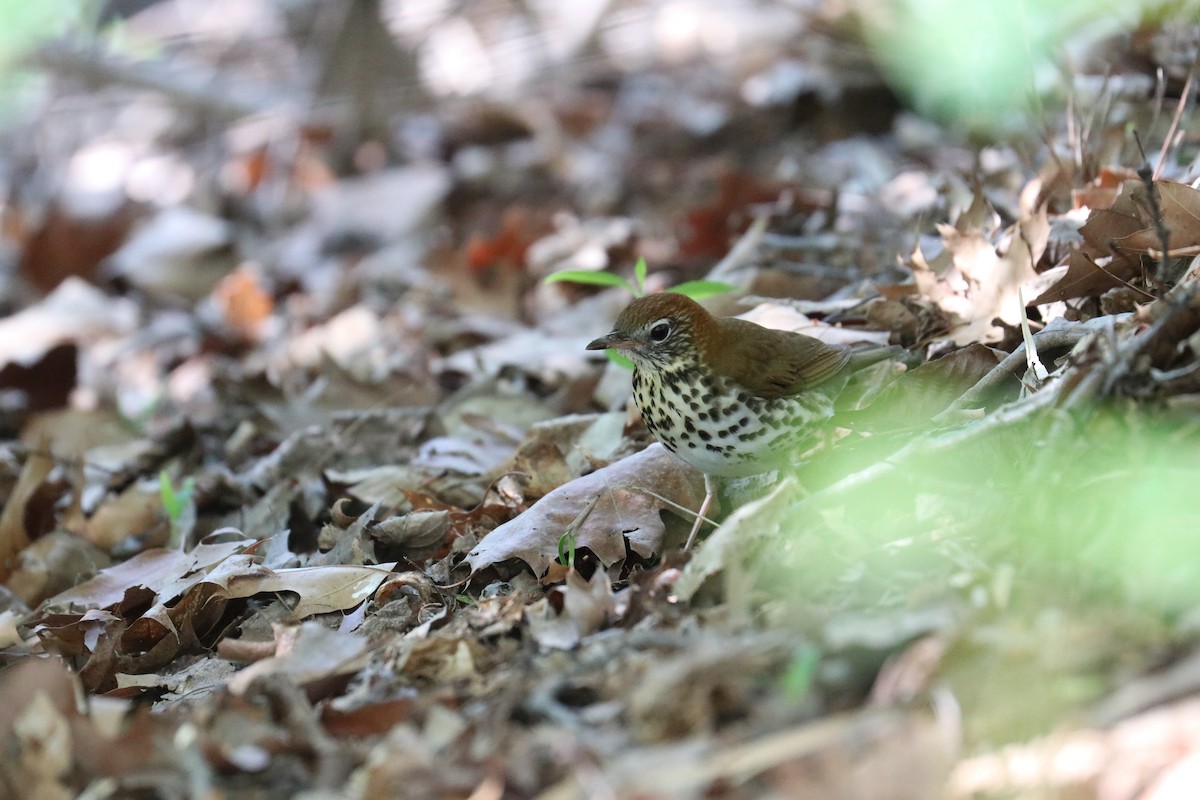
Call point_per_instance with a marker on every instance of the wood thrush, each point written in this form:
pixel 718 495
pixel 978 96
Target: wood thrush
pixel 727 396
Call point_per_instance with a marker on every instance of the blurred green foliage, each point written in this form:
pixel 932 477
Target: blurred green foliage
pixel 978 64
pixel 1054 555
pixel 24 25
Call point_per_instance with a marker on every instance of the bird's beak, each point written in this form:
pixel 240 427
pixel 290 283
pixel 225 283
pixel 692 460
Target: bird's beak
pixel 612 341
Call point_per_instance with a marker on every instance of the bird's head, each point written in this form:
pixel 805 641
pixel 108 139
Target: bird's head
pixel 660 330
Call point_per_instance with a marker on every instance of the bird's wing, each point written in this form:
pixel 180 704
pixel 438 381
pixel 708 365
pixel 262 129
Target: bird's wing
pixel 773 363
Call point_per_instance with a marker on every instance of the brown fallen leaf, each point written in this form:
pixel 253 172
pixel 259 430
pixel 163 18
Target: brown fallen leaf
pixel 561 449
pixel 320 589
pixel 1179 205
pixel 973 282
pixel 136 512
pixel 1102 191
pixel 1086 277
pixel 52 564
pixel 586 607
pixel 13 536
pixel 244 304
pixel 1116 238
pixel 305 653
pixel 624 513
pixel 160 571
pixel 69 242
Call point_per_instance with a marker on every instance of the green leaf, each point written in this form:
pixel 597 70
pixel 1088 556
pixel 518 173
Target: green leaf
pixel 591 278
pixel 174 500
pixel 798 679
pixel 640 271
pixel 618 359
pixel 698 290
pixel 566 549
pixel 170 499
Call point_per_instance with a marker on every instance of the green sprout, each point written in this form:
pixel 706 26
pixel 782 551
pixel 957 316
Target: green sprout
pixel 175 501
pixel 697 290
pixel 798 679
pixel 566 549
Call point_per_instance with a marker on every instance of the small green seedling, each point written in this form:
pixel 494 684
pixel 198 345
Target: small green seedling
pixel 566 542
pixel 798 679
pixel 175 501
pixel 697 290
pixel 566 550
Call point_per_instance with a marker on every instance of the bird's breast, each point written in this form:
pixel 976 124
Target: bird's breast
pixel 720 428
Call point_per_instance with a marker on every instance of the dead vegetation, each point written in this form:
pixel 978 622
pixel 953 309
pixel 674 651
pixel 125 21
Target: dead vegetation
pixel 311 488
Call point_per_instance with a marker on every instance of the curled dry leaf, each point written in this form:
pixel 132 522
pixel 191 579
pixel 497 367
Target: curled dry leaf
pixel 320 589
pixel 420 531
pixel 308 653
pixel 136 512
pixel 587 606
pixel 625 513
pixel 559 450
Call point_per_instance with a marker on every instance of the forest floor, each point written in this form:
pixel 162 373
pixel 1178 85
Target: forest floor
pixel 311 488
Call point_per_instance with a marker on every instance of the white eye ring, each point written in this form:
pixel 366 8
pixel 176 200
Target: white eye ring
pixel 660 330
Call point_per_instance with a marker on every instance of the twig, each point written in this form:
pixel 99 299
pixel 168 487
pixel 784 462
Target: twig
pixel 1062 336
pixel 1154 345
pixel 686 512
pixel 1174 126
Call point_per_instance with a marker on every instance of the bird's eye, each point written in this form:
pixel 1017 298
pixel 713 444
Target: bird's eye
pixel 660 332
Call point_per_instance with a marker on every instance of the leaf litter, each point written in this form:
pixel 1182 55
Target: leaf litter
pixel 428 550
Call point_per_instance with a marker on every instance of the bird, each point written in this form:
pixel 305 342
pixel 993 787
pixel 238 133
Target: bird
pixel 727 396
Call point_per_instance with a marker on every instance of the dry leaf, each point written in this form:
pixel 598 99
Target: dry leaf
pixel 244 304
pixel 624 513
pixel 320 589
pixel 75 312
pixel 586 607
pixel 305 653
pixel 160 572
pixel 180 252
pixel 136 512
pixel 13 536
